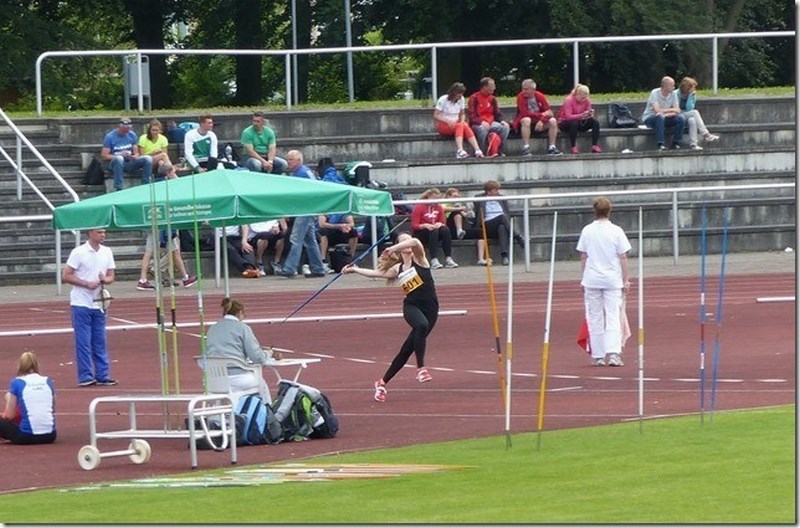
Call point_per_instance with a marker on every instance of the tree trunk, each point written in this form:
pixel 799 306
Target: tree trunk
pixel 148 28
pixel 303 42
pixel 249 35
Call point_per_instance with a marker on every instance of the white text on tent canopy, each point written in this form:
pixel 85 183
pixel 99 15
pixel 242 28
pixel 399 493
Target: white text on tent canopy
pixel 367 206
pixel 178 213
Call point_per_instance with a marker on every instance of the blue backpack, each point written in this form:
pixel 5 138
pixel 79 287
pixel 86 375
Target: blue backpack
pixel 259 425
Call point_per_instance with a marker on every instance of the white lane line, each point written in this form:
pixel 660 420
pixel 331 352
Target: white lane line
pixel 772 380
pixel 562 389
pixel 132 325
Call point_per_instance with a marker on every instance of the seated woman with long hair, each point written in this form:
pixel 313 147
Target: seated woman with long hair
pixel 233 338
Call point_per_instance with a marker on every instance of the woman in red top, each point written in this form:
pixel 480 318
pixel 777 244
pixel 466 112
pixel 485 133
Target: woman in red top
pixel 577 115
pixel 428 224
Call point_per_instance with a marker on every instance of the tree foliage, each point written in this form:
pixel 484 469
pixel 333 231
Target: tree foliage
pixel 28 28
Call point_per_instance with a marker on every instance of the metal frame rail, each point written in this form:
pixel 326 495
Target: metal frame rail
pixel 199 406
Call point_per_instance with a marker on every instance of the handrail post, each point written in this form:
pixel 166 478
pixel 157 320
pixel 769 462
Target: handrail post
pixel 58 262
pixel 434 77
pixel 675 250
pixel 576 69
pixel 19 168
pixel 140 97
pixel 526 228
pixel 288 66
pixel 714 65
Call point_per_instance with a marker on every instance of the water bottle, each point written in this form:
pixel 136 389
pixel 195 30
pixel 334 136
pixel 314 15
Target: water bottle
pixel 229 153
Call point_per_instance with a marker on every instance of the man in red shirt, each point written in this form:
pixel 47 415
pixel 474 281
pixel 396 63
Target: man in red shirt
pixel 485 118
pixel 534 112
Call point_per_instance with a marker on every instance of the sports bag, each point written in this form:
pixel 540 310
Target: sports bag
pixel 493 144
pixel 293 409
pixel 260 425
pixel 340 257
pixel 620 116
pixel 94 173
pixel 304 412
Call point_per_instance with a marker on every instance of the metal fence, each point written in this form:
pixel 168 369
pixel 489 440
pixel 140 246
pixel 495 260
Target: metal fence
pixel 575 42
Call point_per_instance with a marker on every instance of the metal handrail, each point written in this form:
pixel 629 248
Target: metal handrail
pixel 575 42
pixel 526 199
pixel 21 176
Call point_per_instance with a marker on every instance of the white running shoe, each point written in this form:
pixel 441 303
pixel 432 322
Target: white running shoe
pixel 615 360
pixel 598 362
pixel 461 154
pixel 435 264
pixel 479 153
pixel 450 263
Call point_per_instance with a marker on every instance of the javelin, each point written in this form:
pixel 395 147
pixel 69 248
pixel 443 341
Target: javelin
pixel 718 315
pixel 155 247
pixel 509 332
pixel 641 325
pixel 494 309
pixel 546 343
pixel 703 230
pixel 171 273
pixel 339 274
pixel 199 274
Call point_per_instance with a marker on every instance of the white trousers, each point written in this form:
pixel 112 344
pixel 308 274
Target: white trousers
pixel 603 317
pixel 250 382
pixel 695 124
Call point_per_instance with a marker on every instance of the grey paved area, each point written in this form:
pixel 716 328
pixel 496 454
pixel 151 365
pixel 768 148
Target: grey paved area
pixel 736 263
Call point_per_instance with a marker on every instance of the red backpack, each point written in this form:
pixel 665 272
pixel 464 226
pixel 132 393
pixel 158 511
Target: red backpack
pixel 492 145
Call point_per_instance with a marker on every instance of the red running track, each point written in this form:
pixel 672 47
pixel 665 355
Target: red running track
pixel 757 367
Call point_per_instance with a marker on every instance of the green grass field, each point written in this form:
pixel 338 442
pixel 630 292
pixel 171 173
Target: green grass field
pixel 740 469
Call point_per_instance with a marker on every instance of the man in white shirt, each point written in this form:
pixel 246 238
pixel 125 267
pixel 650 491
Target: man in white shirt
pixel 200 146
pixel 88 268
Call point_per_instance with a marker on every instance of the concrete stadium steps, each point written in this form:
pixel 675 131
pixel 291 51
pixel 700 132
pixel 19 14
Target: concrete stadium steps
pixel 598 170
pixel 757 145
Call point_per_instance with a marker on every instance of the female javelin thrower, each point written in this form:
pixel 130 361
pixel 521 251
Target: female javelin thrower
pixel 405 264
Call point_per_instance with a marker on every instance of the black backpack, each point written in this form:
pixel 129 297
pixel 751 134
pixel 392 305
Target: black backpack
pixel 304 412
pixel 340 257
pixel 259 425
pixel 620 116
pixel 94 173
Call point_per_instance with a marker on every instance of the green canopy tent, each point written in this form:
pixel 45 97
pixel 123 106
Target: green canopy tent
pixel 217 198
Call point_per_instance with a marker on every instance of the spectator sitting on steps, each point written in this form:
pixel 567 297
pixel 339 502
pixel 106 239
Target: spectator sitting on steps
pixel 577 115
pixel 428 224
pixel 121 153
pixel 494 213
pixel 260 146
pixel 450 121
pixel 485 118
pixel 662 110
pixel 200 146
pixel 535 115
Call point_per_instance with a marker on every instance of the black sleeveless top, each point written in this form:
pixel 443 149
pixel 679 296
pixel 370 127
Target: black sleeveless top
pixel 417 283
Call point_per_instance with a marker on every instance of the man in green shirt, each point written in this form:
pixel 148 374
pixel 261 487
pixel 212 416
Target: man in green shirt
pixel 259 143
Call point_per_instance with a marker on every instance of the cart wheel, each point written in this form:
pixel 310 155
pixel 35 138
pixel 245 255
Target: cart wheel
pixel 141 451
pixel 88 457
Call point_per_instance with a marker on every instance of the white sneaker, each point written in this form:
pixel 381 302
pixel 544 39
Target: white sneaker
pixel 479 153
pixel 435 264
pixel 598 362
pixel 482 262
pixel 695 147
pixel 461 154
pixel 615 360
pixel 710 138
pixel 450 263
pixel 461 234
pixel 306 269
